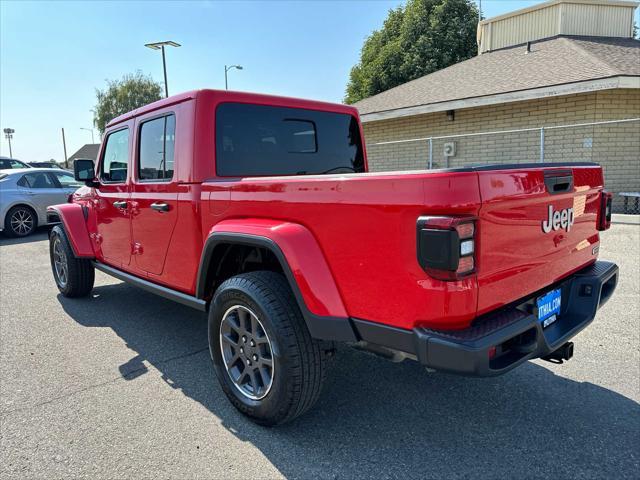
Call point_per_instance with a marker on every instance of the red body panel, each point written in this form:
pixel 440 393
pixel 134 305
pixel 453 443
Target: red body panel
pixel 152 231
pixel 113 226
pixel 365 225
pixel 75 226
pixel 304 257
pixel 517 257
pixel 349 239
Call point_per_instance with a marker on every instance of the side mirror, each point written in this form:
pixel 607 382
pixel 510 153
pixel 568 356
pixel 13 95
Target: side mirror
pixel 84 170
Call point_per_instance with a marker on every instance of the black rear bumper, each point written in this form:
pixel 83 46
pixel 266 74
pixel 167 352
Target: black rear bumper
pixel 504 339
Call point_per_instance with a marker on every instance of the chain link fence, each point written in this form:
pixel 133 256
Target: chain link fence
pixel 613 144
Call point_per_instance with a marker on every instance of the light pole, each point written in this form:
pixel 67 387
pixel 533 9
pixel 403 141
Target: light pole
pixel 8 134
pixel 226 69
pixel 89 130
pixel 160 46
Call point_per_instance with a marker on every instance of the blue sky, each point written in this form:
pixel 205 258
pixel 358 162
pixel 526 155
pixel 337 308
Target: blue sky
pixel 53 55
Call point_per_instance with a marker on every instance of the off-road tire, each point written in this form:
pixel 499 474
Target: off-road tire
pixel 299 361
pixel 80 273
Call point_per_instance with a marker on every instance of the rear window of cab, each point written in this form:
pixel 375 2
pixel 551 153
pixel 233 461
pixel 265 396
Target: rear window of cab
pixel 260 140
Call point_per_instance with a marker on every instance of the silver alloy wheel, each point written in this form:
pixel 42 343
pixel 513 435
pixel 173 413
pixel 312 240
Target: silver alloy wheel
pixel 246 352
pixel 60 263
pixel 22 222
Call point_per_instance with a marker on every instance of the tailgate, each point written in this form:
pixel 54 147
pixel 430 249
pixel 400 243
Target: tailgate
pixel 536 226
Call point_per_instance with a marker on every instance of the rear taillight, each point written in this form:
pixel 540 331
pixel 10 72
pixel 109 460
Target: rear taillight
pixel 447 246
pixel 604 213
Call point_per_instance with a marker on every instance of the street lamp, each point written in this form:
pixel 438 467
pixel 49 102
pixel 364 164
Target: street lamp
pixel 89 130
pixel 226 69
pixel 160 46
pixel 8 134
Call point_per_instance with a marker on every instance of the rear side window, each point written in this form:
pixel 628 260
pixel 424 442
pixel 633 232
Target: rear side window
pixel 157 142
pixel 37 180
pixel 265 140
pixel 116 157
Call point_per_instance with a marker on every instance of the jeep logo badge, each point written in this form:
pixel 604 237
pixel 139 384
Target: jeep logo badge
pixel 558 219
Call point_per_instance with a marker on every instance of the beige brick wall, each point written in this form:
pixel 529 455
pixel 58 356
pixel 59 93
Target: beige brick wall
pixel 615 147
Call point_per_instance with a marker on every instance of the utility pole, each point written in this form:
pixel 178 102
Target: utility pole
pixel 64 146
pixel 8 133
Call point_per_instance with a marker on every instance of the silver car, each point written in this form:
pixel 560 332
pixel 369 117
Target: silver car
pixel 25 195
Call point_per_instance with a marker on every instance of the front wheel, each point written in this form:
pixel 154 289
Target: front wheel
pixel 264 357
pixel 74 276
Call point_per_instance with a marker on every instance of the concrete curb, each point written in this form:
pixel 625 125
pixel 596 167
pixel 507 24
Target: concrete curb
pixel 625 219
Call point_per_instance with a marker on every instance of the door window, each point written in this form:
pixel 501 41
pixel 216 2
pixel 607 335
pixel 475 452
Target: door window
pixel 66 179
pixel 157 142
pixel 116 157
pixel 37 180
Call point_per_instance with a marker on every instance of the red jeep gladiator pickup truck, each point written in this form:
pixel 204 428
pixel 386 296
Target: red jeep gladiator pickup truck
pixel 259 210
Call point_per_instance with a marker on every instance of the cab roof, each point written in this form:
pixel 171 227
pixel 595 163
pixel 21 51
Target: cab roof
pixel 232 96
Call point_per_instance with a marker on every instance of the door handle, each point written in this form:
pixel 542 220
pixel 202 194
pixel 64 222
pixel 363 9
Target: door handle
pixel 122 204
pixel 160 207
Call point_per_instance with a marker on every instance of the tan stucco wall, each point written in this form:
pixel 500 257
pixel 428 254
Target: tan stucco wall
pixel 616 147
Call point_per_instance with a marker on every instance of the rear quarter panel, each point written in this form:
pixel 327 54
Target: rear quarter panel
pixel 365 226
pixel 11 195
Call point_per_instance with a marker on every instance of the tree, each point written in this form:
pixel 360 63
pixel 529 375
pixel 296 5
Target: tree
pixel 415 40
pixel 122 96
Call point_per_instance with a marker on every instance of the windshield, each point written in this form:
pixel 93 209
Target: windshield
pixel 266 140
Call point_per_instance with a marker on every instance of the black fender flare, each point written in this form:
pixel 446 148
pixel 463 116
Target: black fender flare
pixel 320 327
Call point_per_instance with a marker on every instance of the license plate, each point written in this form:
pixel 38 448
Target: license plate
pixel 549 307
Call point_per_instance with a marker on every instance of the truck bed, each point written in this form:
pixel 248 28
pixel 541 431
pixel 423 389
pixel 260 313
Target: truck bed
pixel 366 227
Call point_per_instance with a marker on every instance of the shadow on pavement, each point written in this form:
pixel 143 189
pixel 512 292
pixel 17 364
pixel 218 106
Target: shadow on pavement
pixel 378 419
pixel 40 234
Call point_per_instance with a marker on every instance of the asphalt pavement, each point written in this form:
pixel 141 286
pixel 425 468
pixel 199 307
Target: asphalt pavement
pixel 120 385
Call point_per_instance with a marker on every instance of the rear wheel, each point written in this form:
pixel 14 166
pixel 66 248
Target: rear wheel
pixel 246 352
pixel 74 276
pixel 264 357
pixel 20 221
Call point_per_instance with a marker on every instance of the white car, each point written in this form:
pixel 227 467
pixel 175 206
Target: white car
pixel 25 195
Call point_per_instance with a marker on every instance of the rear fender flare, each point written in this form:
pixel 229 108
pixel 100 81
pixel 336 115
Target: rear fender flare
pixel 73 219
pixel 303 264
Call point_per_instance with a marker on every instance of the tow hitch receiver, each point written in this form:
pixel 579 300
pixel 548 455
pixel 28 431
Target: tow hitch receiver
pixel 565 352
